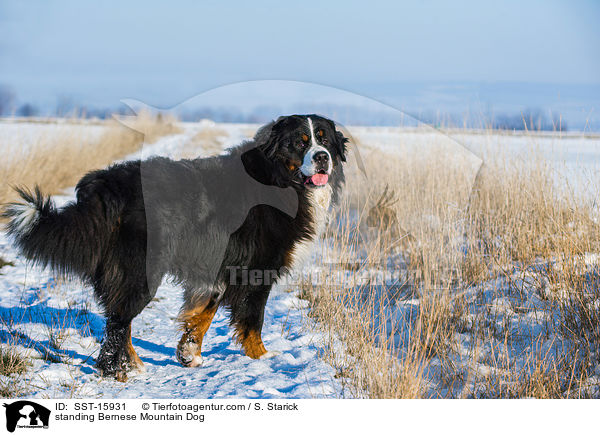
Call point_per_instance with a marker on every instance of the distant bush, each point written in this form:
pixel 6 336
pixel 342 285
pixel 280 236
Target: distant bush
pixel 7 99
pixel 530 119
pixel 27 110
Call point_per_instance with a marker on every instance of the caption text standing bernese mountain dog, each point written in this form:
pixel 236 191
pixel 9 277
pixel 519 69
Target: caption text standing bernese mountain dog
pixel 202 221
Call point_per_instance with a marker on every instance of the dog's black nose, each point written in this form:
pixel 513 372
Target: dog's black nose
pixel 321 157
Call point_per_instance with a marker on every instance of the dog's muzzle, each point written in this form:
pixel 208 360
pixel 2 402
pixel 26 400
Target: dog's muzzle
pixel 316 167
pixel 322 162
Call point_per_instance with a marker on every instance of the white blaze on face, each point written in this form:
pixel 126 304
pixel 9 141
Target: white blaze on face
pixel 308 165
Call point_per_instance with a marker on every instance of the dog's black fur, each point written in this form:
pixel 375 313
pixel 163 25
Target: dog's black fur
pixel 197 220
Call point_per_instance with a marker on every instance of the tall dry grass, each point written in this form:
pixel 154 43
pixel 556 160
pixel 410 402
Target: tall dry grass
pixel 431 321
pixel 55 163
pixel 12 367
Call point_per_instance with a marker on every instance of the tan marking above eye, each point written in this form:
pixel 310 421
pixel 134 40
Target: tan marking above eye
pixel 305 137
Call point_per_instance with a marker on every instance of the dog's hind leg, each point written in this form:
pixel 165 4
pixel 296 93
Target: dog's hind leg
pixel 195 318
pixel 117 355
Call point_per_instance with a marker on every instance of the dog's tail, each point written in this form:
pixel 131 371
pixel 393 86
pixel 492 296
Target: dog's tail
pixel 70 239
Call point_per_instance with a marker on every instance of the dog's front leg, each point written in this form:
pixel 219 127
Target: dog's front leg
pixel 195 321
pixel 247 316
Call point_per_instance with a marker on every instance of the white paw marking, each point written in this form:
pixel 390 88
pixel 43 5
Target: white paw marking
pixel 196 361
pixel 139 368
pixel 189 352
pixel 270 354
pixel 136 371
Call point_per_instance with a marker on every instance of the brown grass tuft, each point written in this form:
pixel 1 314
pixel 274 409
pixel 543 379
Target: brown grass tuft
pixel 11 362
pixel 12 367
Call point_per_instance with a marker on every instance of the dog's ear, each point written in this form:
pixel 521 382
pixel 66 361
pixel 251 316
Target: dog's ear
pixel 257 165
pixel 340 143
pixel 265 138
pixel 263 169
pixel 339 140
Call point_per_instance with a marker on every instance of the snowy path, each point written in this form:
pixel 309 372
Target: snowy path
pixel 40 310
pixel 60 326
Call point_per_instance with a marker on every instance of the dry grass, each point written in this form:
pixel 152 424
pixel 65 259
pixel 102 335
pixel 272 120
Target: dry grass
pixel 11 362
pixel 55 163
pixel 12 367
pixel 434 325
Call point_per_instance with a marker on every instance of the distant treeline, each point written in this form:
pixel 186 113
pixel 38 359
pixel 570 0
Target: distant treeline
pixel 530 119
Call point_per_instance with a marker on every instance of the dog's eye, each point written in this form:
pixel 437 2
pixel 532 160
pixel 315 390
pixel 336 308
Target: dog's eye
pixel 321 135
pixel 304 142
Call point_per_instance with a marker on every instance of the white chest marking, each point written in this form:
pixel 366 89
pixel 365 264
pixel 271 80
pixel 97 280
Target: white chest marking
pixel 319 200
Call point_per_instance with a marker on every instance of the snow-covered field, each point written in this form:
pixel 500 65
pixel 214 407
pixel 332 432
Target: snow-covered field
pixel 19 137
pixel 59 325
pixel 569 151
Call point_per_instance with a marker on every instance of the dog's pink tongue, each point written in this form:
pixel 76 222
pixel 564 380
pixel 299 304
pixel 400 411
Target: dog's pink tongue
pixel 319 179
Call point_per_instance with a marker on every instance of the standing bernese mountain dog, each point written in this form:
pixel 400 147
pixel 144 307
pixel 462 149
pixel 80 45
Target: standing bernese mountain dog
pixel 207 222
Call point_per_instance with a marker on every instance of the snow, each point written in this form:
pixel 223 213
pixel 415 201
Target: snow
pixel 572 150
pixel 39 308
pixel 171 146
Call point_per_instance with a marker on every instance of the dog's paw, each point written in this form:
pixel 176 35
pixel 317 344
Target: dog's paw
pixel 118 365
pixel 193 361
pixel 196 361
pixel 137 369
pixel 188 354
pixel 120 374
pixel 270 354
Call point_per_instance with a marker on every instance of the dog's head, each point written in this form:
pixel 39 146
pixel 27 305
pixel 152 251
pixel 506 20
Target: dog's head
pixel 302 151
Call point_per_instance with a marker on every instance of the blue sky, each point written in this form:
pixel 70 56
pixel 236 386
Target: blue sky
pixel 163 53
